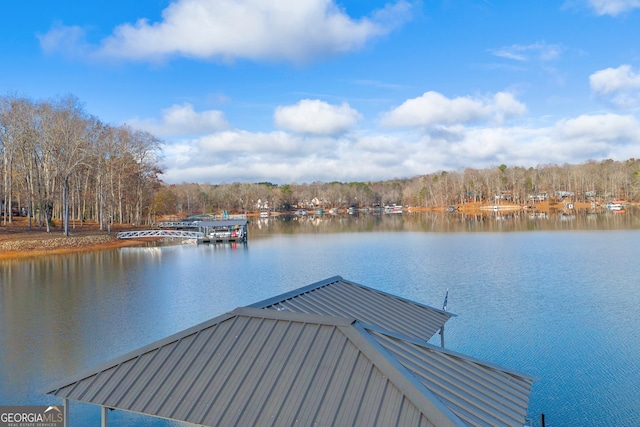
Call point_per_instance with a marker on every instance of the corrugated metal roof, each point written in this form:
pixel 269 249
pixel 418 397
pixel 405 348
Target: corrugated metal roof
pixel 257 366
pixel 338 297
pixel 478 392
pixel 223 223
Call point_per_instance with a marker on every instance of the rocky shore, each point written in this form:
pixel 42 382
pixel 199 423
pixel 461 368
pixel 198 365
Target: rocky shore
pixel 18 241
pixel 54 243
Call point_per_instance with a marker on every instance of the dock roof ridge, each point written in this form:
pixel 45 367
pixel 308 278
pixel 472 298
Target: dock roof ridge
pixel 340 297
pixel 322 283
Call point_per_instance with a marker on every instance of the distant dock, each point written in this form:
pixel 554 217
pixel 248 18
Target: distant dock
pixel 223 231
pixel 215 231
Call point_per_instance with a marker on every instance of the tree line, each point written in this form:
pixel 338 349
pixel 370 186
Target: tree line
pixel 61 163
pixel 593 181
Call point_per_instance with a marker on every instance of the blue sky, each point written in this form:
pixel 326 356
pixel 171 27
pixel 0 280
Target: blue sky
pixel 320 90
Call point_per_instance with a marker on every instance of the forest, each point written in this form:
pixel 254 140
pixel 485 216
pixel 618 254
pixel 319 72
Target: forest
pixel 593 181
pixel 61 165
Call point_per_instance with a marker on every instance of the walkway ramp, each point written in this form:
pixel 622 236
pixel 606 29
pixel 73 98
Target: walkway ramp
pixel 185 234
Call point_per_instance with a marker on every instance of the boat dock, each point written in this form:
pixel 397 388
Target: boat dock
pixel 223 231
pixel 216 231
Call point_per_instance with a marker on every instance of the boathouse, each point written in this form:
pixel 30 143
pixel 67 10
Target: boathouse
pixel 222 231
pixel 217 231
pixel 332 353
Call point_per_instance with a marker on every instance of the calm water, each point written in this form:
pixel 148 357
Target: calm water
pixel 560 302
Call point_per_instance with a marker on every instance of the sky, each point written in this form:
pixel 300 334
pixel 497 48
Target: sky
pixel 325 90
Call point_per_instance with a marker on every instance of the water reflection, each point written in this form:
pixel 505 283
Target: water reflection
pixel 491 221
pixel 48 301
pixel 558 305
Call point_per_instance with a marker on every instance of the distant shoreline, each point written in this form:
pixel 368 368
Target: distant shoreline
pixel 506 206
pixel 18 241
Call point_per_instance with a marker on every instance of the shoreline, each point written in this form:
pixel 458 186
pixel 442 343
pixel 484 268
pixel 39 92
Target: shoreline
pixel 17 241
pixel 486 207
pixel 62 245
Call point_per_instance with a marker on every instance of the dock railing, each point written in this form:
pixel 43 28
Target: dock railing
pixel 185 234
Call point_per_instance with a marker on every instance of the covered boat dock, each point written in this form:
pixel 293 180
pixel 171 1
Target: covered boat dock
pixel 210 231
pixel 223 231
pixel 331 353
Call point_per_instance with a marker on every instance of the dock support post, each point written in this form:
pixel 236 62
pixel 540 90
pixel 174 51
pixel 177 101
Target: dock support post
pixel 105 416
pixel 65 412
pixel 444 308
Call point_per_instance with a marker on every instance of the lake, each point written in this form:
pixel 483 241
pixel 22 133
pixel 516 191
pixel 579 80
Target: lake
pixel 553 296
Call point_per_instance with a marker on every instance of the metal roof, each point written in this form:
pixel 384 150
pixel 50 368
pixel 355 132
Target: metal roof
pixel 339 297
pixel 270 365
pixel 222 223
pixel 266 367
pixel 477 392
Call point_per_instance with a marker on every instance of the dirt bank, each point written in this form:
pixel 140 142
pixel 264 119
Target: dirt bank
pixel 18 241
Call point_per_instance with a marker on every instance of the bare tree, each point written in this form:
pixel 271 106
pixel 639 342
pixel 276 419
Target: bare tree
pixel 66 135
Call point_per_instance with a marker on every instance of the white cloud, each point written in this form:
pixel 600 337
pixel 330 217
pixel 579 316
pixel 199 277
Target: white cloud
pixel 433 109
pixel 239 155
pixel 613 7
pixel 182 120
pixel 69 41
pixel 316 117
pixel 226 30
pixel 237 142
pixel 505 105
pixel 282 157
pixel 540 51
pixel 606 128
pixel 620 86
pixel 612 80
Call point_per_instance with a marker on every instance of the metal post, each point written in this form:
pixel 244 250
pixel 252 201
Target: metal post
pixel 65 412
pixel 105 416
pixel 444 308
